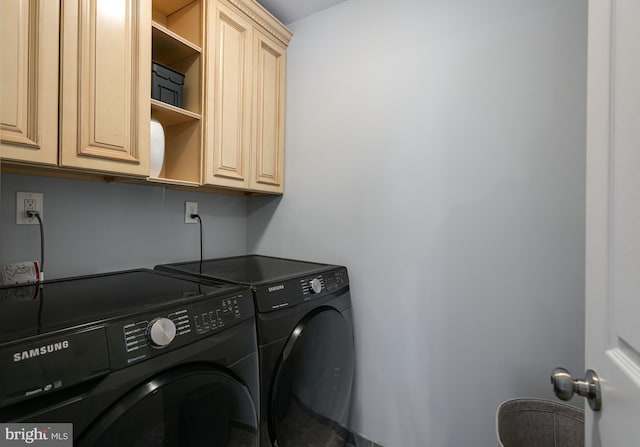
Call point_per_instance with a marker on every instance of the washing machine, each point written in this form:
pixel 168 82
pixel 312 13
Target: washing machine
pixel 134 358
pixel 305 342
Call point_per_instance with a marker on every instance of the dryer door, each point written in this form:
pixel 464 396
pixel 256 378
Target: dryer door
pixel 311 390
pixel 189 406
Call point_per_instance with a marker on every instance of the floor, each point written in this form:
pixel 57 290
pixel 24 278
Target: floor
pixel 359 441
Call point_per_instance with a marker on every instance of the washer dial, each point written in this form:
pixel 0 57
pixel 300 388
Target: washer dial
pixel 161 332
pixel 316 285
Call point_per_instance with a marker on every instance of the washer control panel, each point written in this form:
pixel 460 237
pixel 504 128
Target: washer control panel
pixel 289 293
pixel 209 318
pixel 143 337
pixel 140 334
pixel 325 282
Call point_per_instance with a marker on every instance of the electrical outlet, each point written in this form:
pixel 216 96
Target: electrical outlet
pixel 189 209
pixel 29 201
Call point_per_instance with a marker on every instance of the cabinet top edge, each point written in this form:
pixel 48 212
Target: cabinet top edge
pixel 264 18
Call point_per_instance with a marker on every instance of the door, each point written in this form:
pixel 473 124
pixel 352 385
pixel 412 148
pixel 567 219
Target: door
pixel 228 130
pixel 29 80
pixel 187 407
pixel 267 154
pixel 106 84
pixel 613 220
pixel 310 396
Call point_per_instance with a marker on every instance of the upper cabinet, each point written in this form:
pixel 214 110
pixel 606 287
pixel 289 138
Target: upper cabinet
pixel 29 87
pixel 77 90
pixel 245 73
pixel 105 85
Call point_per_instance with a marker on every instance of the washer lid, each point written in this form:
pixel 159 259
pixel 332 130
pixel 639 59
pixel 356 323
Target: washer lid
pixel 27 310
pixel 251 269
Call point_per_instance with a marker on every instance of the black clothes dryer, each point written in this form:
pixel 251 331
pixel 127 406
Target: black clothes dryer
pixel 135 358
pixel 305 340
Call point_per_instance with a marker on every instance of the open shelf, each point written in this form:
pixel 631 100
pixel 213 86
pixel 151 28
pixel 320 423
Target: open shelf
pixel 168 7
pixel 169 115
pixel 176 42
pixel 183 18
pixel 169 46
pixel 182 151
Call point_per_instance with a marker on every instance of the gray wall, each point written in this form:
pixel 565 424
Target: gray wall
pixel 437 148
pixel 93 227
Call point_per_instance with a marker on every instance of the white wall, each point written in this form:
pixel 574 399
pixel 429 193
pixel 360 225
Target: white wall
pixel 93 227
pixel 437 148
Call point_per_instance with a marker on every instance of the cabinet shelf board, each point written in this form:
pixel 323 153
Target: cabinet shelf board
pixel 169 115
pixel 168 7
pixel 169 46
pixel 171 181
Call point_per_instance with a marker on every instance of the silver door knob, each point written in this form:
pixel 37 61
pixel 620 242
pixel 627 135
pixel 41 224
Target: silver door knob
pixel 565 386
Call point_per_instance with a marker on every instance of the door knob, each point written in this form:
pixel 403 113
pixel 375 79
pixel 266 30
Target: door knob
pixel 565 386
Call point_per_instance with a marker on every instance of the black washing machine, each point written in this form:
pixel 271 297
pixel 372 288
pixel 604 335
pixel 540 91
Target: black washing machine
pixel 135 358
pixel 305 340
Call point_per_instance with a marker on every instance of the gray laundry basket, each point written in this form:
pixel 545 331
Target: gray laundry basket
pixel 539 423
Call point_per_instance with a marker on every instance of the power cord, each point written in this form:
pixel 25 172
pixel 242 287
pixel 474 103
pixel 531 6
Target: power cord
pixel 197 216
pixel 37 216
pixel 41 288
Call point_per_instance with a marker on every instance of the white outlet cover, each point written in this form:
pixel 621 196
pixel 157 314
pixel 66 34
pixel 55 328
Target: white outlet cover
pixel 21 219
pixel 189 209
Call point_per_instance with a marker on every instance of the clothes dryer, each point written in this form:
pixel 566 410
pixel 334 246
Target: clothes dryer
pixel 135 358
pixel 305 340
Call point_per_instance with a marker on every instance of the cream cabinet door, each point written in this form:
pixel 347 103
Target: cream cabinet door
pixel 29 80
pixel 106 86
pixel 228 125
pixel 267 155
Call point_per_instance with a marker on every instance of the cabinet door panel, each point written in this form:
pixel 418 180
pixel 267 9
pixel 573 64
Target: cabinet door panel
pixel 268 151
pixel 29 87
pixel 229 123
pixel 106 64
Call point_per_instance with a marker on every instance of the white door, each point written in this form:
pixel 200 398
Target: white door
pixel 613 221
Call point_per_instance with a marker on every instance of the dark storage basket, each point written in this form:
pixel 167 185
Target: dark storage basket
pixel 166 84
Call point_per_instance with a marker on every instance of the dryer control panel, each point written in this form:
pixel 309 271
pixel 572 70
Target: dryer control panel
pixel 289 293
pixel 145 336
